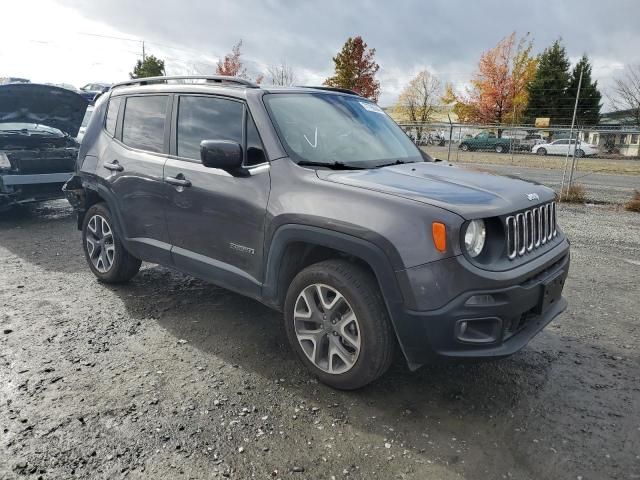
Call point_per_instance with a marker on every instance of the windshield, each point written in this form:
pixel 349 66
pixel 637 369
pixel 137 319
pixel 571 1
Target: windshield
pixel 326 129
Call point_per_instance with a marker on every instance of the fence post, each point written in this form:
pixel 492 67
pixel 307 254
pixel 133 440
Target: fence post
pixel 573 121
pixel 573 161
pixel 450 135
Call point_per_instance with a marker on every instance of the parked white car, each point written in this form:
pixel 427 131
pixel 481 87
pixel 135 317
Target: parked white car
pixel 561 147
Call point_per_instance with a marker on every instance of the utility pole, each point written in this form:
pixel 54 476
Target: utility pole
pixel 573 122
pixel 144 57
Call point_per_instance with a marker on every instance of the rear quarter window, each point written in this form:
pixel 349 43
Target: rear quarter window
pixel 112 115
pixel 144 122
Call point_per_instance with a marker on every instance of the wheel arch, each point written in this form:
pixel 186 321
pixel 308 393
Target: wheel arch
pixel 94 193
pixel 294 247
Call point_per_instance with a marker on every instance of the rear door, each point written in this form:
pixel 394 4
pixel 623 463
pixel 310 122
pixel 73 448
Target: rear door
pixel 132 170
pixel 215 219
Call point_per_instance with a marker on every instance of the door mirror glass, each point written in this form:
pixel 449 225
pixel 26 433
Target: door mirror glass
pixel 222 154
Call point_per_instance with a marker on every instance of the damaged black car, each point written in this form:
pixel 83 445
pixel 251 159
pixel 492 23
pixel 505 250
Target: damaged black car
pixel 38 149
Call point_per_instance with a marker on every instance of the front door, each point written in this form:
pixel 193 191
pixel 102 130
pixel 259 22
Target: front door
pixel 216 220
pixel 132 169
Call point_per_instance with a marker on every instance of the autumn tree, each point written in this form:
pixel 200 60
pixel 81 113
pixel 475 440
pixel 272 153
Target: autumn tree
pixel 547 90
pixel 231 65
pixel 150 66
pixel 498 92
pixel 355 69
pixel 419 100
pixel 626 92
pixel 282 75
pixel 588 112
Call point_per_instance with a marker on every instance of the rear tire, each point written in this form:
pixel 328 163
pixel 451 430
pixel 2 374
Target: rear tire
pixel 579 153
pixel 337 323
pixel 107 258
pixel 500 149
pixel 541 151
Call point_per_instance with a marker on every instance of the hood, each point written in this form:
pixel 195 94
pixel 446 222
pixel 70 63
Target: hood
pixel 469 193
pixel 42 104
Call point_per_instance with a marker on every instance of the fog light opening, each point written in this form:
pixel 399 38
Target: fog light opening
pixel 478 330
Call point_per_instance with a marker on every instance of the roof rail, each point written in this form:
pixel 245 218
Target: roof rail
pixel 208 78
pixel 332 89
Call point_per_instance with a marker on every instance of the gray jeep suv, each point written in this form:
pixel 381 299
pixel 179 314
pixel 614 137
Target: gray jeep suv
pixel 314 202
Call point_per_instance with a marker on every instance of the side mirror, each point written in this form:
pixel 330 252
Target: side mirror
pixel 222 154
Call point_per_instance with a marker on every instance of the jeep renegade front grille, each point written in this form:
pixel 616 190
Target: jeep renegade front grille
pixel 530 229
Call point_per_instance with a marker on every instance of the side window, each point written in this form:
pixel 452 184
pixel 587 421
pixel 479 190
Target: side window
pixel 207 118
pixel 112 115
pixel 255 150
pixel 143 124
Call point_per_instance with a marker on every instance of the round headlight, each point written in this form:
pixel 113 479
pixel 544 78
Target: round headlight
pixel 474 237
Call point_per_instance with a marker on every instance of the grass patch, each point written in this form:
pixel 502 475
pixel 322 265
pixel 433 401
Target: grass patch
pixel 633 205
pixel 575 194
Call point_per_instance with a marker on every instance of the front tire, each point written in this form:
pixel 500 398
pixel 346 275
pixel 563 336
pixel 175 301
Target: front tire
pixel 465 147
pixel 541 151
pixel 107 258
pixel 337 323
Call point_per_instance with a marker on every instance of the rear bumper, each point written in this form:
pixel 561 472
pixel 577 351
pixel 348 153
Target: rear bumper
pixel 515 314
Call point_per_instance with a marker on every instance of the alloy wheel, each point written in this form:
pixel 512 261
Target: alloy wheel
pixel 327 328
pixel 100 243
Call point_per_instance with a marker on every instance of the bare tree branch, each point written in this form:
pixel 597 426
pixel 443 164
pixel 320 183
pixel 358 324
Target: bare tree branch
pixel 626 92
pixel 282 75
pixel 419 99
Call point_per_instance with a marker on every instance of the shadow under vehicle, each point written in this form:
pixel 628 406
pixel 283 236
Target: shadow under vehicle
pixel 38 150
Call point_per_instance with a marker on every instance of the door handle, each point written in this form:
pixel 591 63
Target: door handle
pixel 177 181
pixel 114 167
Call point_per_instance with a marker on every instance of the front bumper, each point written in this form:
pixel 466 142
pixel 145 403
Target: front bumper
pixel 510 313
pixel 17 189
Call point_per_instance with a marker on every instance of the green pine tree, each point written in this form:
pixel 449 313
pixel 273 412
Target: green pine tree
pixel 151 66
pixel 589 102
pixel 547 91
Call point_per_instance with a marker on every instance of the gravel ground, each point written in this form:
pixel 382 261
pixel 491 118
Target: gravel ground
pixel 169 377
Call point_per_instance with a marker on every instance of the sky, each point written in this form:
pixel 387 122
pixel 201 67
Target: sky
pixel 80 41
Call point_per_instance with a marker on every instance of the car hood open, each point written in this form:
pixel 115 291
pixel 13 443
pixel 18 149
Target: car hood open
pixel 42 104
pixel 469 193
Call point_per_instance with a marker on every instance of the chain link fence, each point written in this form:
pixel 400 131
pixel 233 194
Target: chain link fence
pixel 605 162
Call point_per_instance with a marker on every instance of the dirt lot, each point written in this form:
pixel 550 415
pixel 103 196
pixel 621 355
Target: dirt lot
pixel 168 377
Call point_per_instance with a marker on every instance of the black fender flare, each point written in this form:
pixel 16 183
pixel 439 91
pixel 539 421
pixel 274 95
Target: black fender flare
pixel 364 250
pixel 107 197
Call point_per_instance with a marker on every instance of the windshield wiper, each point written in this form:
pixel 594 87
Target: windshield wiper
pixel 333 165
pixel 397 162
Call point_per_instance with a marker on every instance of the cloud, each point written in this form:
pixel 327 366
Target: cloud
pixel 446 36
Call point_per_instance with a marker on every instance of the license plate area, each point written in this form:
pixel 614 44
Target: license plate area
pixel 551 292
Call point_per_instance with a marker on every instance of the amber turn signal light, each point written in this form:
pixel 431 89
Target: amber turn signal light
pixel 439 232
